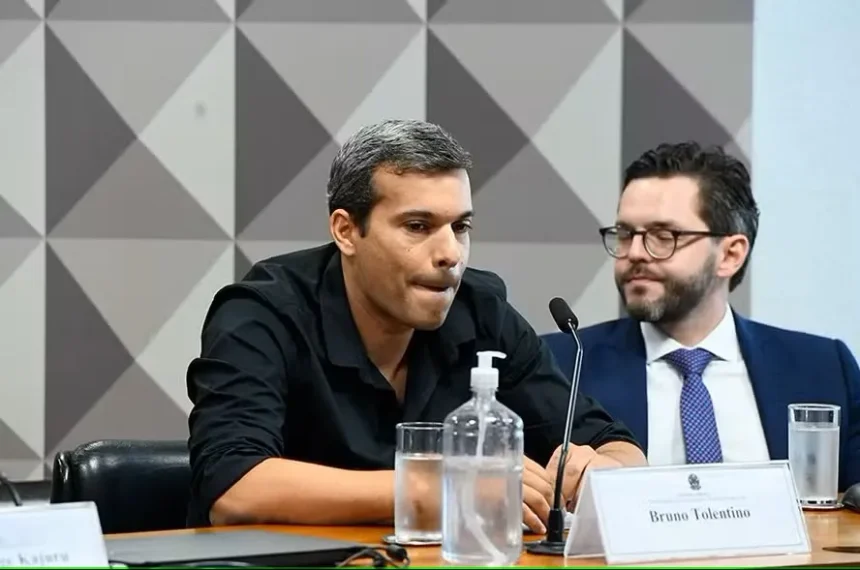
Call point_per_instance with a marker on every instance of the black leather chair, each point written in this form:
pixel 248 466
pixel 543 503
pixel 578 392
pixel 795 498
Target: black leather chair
pixel 31 493
pixel 136 485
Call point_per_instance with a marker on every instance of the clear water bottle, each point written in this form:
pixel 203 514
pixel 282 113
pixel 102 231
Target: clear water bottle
pixel 482 476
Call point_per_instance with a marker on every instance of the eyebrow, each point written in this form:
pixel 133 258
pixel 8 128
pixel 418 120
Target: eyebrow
pixel 427 215
pixel 659 224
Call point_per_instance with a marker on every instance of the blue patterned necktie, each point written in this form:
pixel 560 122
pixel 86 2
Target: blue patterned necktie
pixel 701 438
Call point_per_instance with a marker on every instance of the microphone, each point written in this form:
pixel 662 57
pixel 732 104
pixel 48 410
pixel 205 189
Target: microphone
pixel 13 492
pixel 553 544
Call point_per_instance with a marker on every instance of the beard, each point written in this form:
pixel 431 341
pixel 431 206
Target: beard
pixel 680 296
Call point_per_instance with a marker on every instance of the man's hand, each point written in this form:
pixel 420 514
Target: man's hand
pixel 537 496
pixel 579 459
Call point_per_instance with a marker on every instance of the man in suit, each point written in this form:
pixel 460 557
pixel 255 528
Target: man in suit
pixel 693 380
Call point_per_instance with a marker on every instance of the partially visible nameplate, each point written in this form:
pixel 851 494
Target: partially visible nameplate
pixel 646 514
pixel 63 534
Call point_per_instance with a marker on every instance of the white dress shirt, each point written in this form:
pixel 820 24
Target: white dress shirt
pixel 738 422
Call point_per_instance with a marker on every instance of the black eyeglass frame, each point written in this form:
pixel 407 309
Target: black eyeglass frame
pixel 674 233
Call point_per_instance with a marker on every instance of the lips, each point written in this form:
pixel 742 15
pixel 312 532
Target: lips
pixel 434 288
pixel 437 285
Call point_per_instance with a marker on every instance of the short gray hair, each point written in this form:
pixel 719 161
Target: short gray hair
pixel 401 145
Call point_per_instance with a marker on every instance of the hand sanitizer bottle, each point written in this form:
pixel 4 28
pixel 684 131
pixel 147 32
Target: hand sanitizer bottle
pixel 482 476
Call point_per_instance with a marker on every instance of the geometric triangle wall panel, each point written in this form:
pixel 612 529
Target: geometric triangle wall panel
pixel 276 133
pixel 153 415
pixel 300 210
pixel 152 150
pixel 136 285
pixel 511 72
pixel 85 134
pixel 145 202
pixel 84 356
pixel 689 11
pixel 22 123
pixel 588 121
pixel 509 198
pixel 518 263
pixel 193 134
pixel 182 12
pixel 400 93
pixel 329 11
pixel 518 12
pixel 715 68
pixel 136 74
pixel 652 93
pixel 360 52
pixel 22 336
pixel 12 10
pixel 469 113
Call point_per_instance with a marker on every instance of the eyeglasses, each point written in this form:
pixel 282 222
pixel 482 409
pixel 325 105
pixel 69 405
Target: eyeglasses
pixel 660 243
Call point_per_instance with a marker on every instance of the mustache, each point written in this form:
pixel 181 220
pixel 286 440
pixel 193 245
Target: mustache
pixel 639 273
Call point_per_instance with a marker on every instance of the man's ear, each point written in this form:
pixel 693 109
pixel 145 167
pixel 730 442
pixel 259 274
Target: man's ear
pixel 735 250
pixel 343 231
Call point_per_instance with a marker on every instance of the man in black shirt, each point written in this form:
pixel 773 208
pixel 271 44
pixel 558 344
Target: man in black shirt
pixel 310 361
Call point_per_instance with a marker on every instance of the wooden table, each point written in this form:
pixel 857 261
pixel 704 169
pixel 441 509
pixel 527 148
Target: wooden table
pixel 836 528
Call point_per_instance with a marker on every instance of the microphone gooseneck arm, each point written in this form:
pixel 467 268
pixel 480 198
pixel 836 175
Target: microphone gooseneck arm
pixel 553 543
pixel 13 492
pixel 568 424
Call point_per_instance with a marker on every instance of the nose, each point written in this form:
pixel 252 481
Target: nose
pixel 448 251
pixel 637 251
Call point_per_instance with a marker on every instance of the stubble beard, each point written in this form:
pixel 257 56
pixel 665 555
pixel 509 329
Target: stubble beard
pixel 680 297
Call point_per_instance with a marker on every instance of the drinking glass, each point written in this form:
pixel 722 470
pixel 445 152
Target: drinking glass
pixel 418 483
pixel 813 453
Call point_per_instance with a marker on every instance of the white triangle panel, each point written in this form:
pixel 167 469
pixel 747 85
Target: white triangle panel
pixel 582 137
pixel 399 94
pixel 193 134
pixel 168 354
pixel 22 129
pixel 22 398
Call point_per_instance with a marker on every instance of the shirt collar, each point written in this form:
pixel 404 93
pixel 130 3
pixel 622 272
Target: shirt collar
pixel 342 340
pixel 722 342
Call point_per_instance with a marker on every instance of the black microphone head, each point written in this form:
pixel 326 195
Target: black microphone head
pixel 563 315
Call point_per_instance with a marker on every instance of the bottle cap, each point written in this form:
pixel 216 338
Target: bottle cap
pixel 485 376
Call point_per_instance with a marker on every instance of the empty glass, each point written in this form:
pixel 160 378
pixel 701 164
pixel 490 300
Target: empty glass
pixel 813 453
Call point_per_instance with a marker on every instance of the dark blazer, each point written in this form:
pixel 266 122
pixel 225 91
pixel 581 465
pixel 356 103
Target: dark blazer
pixel 784 366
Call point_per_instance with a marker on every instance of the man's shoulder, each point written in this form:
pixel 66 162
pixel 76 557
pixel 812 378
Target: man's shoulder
pixel 281 282
pixel 606 330
pixel 788 337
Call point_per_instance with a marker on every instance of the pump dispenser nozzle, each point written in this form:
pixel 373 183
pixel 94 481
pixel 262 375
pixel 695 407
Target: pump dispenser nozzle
pixel 485 376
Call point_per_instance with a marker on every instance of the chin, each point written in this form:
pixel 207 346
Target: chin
pixel 645 311
pixel 429 321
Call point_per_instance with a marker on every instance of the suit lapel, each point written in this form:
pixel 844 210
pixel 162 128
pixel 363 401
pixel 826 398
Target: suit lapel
pixel 767 378
pixel 630 373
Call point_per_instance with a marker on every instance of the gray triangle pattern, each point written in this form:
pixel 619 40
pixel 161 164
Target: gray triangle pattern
pixel 132 251
pixel 133 11
pixel 16 10
pixel 331 11
pixel 11 445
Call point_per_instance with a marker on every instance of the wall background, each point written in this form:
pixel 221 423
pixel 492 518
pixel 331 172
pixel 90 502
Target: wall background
pixel 149 151
pixel 807 119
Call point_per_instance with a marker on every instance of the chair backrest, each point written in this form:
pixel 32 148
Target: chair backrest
pixel 31 493
pixel 136 485
pixel 563 349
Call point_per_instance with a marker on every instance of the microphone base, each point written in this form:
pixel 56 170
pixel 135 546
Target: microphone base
pixel 553 543
pixel 546 547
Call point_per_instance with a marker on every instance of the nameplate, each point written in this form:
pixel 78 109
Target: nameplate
pixel 62 534
pixel 647 514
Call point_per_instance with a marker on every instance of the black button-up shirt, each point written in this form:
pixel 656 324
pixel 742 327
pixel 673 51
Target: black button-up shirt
pixel 283 373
